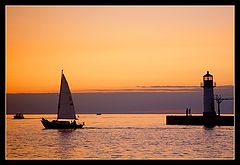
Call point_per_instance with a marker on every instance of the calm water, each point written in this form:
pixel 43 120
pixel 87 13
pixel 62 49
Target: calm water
pixel 117 136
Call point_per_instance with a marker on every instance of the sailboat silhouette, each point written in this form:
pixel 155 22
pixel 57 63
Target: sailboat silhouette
pixel 66 109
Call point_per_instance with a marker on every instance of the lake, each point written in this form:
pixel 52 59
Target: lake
pixel 116 137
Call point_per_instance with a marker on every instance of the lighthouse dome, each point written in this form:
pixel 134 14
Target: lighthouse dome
pixel 207 75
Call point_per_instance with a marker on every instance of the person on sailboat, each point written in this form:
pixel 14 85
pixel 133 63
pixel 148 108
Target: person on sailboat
pixel 74 122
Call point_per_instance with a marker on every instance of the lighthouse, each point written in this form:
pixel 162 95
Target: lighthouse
pixel 208 95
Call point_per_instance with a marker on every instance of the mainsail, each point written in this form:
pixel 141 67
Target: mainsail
pixel 65 104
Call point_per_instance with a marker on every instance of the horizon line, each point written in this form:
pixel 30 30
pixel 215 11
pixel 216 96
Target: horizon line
pixel 151 88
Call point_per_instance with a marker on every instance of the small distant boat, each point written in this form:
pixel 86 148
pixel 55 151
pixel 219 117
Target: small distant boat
pixel 98 114
pixel 18 116
pixel 66 110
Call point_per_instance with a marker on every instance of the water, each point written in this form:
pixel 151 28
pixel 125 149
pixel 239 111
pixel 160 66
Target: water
pixel 116 136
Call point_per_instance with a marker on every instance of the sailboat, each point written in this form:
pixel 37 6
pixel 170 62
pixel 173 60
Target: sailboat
pixel 66 110
pixel 18 116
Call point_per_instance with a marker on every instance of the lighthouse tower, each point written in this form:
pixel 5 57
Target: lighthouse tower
pixel 208 95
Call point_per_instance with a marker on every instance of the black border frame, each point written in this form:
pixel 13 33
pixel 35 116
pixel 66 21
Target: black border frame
pixel 235 3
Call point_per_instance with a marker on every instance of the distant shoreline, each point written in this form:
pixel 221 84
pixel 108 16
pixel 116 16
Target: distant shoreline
pixel 119 102
pixel 138 89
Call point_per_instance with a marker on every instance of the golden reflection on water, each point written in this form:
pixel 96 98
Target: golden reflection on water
pixel 116 136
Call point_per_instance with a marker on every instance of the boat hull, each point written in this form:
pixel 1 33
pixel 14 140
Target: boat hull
pixel 18 116
pixel 60 124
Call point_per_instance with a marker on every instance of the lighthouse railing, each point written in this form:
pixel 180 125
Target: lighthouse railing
pixel 202 84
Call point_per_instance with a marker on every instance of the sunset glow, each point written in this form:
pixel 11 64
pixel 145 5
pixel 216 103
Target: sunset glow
pixel 117 47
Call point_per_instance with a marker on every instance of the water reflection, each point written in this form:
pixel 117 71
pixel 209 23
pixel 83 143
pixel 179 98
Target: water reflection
pixel 64 143
pixel 124 136
pixel 209 127
pixel 64 132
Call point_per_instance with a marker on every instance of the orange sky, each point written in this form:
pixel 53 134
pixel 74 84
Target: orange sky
pixel 117 47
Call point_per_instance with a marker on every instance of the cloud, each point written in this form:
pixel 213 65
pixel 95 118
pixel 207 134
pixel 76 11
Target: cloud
pixel 154 88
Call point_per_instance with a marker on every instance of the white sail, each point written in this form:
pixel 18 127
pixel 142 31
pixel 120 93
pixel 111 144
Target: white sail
pixel 65 105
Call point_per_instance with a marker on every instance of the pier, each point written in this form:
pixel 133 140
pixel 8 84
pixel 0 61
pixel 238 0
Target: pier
pixel 200 120
pixel 209 117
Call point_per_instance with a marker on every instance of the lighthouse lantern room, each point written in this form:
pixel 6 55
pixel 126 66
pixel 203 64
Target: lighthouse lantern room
pixel 208 95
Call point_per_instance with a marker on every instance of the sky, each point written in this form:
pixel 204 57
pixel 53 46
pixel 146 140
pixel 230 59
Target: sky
pixel 117 47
